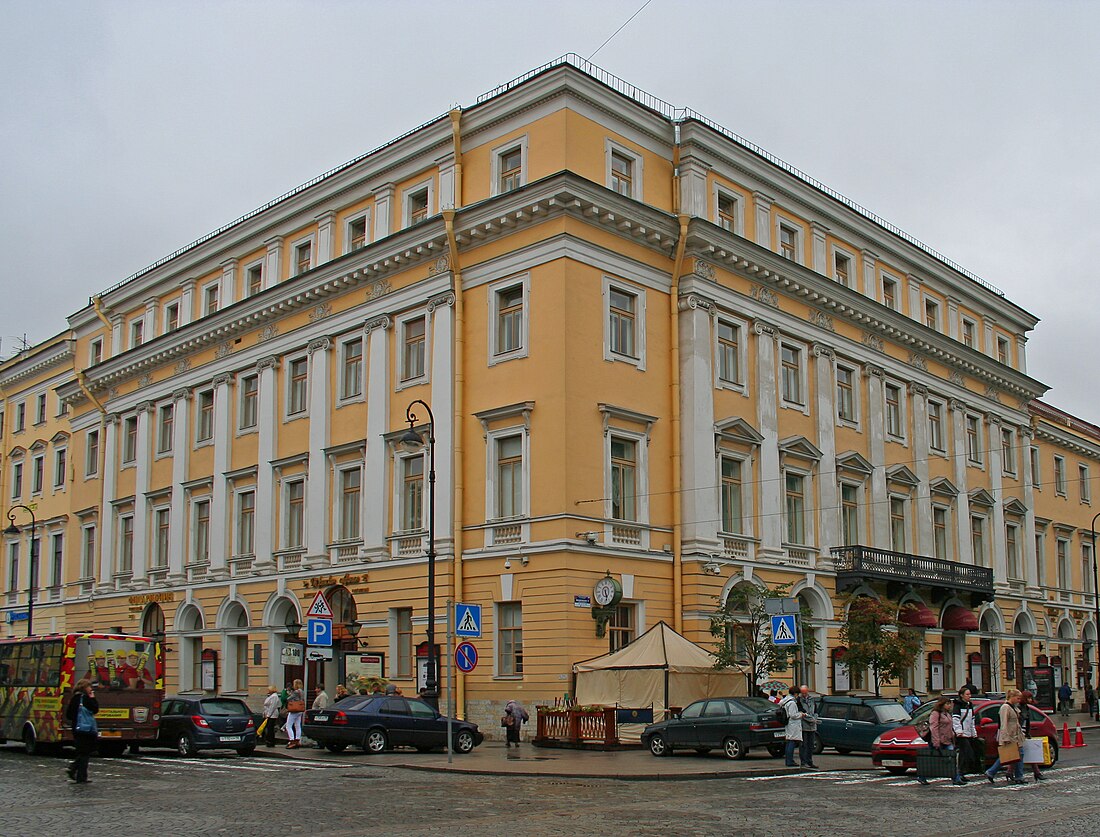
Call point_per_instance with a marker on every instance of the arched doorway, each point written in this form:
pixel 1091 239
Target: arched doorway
pixel 189 626
pixel 345 618
pixel 989 625
pixel 233 624
pixel 284 650
pixel 1023 627
pixel 152 622
pixel 1066 636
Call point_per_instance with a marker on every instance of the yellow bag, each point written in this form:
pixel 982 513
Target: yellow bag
pixel 263 726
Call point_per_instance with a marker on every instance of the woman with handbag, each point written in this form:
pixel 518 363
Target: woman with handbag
pixel 81 715
pixel 1010 738
pixel 514 715
pixel 296 708
pixel 941 732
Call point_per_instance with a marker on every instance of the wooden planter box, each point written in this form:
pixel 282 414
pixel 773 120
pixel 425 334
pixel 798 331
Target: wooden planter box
pixel 577 728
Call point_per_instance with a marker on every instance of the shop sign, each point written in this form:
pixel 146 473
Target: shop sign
pixel 291 655
pixel 151 598
pixel 321 582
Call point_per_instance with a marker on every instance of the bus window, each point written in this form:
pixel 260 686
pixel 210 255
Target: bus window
pixel 7 672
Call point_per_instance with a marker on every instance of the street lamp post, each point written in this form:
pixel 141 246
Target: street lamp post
pixel 14 530
pixel 1096 618
pixel 412 440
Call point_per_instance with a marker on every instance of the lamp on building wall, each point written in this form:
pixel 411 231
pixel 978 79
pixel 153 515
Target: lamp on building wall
pixel 353 628
pixel 33 581
pixel 293 627
pixel 413 441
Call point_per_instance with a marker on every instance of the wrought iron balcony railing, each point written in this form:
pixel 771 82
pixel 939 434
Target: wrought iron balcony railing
pixel 857 564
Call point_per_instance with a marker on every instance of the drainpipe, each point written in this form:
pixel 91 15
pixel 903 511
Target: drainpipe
pixel 674 393
pixel 459 389
pixel 97 306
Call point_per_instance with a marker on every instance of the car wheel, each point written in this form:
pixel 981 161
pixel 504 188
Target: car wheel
pixel 336 748
pixel 733 748
pixel 464 741
pixel 819 745
pixel 185 746
pixel 843 750
pixel 897 771
pixel 375 742
pixel 658 746
pixel 30 742
pixel 702 750
pixel 776 750
pixel 246 751
pixel 1053 752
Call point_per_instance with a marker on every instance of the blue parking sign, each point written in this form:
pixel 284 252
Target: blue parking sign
pixel 319 632
pixel 784 630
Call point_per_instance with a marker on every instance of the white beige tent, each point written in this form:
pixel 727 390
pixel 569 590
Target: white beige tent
pixel 659 669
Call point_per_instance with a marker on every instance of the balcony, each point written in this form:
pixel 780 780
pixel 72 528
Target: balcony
pixel 856 565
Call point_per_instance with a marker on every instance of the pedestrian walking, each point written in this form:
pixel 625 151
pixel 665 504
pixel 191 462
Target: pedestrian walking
pixel 1090 698
pixel 1010 738
pixel 809 728
pixel 970 748
pixel 514 716
pixel 322 700
pixel 80 714
pixel 272 704
pixel 1065 699
pixel 793 732
pixel 296 708
pixel 969 687
pixel 1026 700
pixel 911 702
pixel 941 729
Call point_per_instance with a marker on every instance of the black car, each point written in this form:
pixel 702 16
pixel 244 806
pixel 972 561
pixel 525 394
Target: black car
pixel 851 723
pixel 381 722
pixel 190 724
pixel 736 725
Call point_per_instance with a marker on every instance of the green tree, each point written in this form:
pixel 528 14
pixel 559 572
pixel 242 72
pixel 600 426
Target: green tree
pixel 875 640
pixel 742 627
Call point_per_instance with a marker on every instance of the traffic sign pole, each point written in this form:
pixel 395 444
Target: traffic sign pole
pixel 450 679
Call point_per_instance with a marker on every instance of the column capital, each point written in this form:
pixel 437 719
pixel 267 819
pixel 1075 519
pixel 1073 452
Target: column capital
pixel 958 406
pixel 692 301
pixel 326 217
pixel 869 256
pixel 146 407
pixel 916 388
pixel 817 228
pixel 875 371
pixel 382 322
pixel 274 242
pixel 181 395
pixel 764 328
pixel 763 199
pixel 319 344
pixel 229 264
pixel 446 298
pixel 913 279
pixel 992 419
pixel 224 379
pixel 821 350
pixel 269 362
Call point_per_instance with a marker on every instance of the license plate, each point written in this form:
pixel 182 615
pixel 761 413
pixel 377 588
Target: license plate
pixel 320 718
pixel 893 763
pixel 230 738
pixel 111 733
pixel 779 734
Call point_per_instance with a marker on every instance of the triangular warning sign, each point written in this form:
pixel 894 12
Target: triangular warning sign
pixel 320 608
pixel 783 631
pixel 468 625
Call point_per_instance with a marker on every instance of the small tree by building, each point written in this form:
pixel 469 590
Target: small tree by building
pixel 742 627
pixel 875 640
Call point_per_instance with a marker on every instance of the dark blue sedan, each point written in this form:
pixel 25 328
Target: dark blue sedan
pixel 381 722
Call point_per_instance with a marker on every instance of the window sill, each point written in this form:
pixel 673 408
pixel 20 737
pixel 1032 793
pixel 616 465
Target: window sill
pixel 732 386
pixel 794 405
pixel 504 357
pixel 411 382
pixel 507 677
pixel 851 424
pixel 351 399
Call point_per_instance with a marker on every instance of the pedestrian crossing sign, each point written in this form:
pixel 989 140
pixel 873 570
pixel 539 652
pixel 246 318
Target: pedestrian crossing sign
pixel 784 630
pixel 467 620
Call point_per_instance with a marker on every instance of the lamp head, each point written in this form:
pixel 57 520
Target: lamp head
pixel 354 627
pixel 412 441
pixel 293 627
pixel 12 529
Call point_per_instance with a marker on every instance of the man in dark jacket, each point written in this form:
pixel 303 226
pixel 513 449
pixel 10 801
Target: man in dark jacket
pixel 83 695
pixel 1065 698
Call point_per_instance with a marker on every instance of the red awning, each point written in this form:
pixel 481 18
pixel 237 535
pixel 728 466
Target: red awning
pixel 958 618
pixel 917 615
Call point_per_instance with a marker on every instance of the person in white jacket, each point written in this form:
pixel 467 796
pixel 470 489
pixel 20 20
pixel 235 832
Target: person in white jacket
pixel 966 735
pixel 272 705
pixel 793 733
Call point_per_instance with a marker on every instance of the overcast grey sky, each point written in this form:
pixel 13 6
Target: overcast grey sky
pixel 129 129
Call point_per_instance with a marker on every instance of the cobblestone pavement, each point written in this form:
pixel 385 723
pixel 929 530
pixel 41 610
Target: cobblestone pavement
pixel 162 794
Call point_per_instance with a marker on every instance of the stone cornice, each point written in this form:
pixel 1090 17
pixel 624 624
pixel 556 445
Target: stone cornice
pixel 34 362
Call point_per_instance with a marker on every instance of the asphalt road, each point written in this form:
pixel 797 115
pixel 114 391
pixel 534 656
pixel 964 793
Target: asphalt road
pixel 162 794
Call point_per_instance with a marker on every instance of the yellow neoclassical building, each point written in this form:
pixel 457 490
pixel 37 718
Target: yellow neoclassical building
pixel 652 351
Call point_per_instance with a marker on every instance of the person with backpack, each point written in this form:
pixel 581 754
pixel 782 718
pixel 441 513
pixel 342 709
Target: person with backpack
pixel 80 714
pixel 941 733
pixel 514 715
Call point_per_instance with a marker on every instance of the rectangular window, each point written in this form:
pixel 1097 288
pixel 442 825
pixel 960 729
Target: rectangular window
pixel 126 544
pixel 60 466
pixel 250 395
pixel 890 292
pixel 40 412
pixel 162 520
pixel 510 635
pixel 1008 451
pixel 38 473
pixel 935 425
pixel 729 362
pixel 1012 550
pixel 727 212
pixel 240 648
pixel 13 567
pixel 624 479
pixel 622 627
pixel 1061 551
pixel 171 316
pixel 932 314
pixel 509 476
pixel 1036 475
pixel 95 351
pixel 788 242
pixel 1041 558
pixel 204 427
pixel 509 317
pixel 1084 483
pixel 210 299
pixel 732 497
pixel 295 513
pixel 1086 567
pixel 893 411
pixel 977 540
pixel 200 552
pixel 795 490
pixel 351 378
pixel 351 486
pixel 137 333
pixel 246 523
pixel 842 269
pixel 1060 475
pixel 849 514
pixel 417 206
pixel 165 426
pixel 129 439
pixel 17 480
pixel 357 233
pixel 412 356
pixel 403 621
pixel 303 257
pixel 939 533
pixel 21 417
pixel 57 554
pixel 974 439
pixel 791 379
pixel 1002 350
pixel 412 493
pixel 254 278
pixel 297 386
pixel 511 169
pixel 845 393
pixel 87 552
pixel 91 453
pixel 622 174
pixel 969 332
pixel 623 314
pixel 898 524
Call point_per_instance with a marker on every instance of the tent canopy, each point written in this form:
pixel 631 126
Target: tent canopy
pixel 658 648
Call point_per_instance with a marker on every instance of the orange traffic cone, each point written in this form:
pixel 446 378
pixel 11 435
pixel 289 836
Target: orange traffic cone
pixel 1065 736
pixel 1079 738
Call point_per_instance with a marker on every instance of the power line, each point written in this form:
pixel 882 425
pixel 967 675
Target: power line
pixel 620 29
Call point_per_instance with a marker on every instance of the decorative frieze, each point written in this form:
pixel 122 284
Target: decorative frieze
pixel 145 380
pixel 822 320
pixel 873 341
pixel 918 362
pixel 182 365
pixel 320 312
pixel 956 377
pixel 992 392
pixel 378 289
pixel 268 332
pixel 224 350
pixel 765 295
pixel 703 269
pixel 441 265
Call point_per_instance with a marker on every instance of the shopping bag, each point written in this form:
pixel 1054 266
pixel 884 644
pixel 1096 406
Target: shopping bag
pixel 1008 753
pixel 971 755
pixel 1037 751
pixel 263 726
pixel 933 763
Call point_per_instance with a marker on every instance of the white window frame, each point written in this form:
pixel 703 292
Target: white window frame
pixel 238 516
pixel 802 406
pixel 246 271
pixel 809 530
pixel 999 342
pixel 91 463
pixel 883 278
pixel 857 387
pixel 495 165
pixel 284 504
pixel 17 471
pixel 398 503
pixel 906 520
pixel 495 290
pixel 718 191
pixel 40 409
pixel 165 319
pixel 949 554
pixel 137 332
pixel 126 457
pixel 339 505
pixel 161 449
pixel 154 562
pixel 942 449
pixel 1040 557
pixel 783 222
pixel 1084 486
pixel 860 490
pixel 425 375
pixel 741 385
pixel 288 414
pixel 120 553
pixel 298 243
pixel 641 447
pixel 409 192
pixel 201 441
pixel 88 547
pixel 1010 459
pixel 937 311
pixel 252 428
pixel 204 297
pixel 975 458
pixel 639 293
pixel 836 250
pixel 1060 477
pixel 1063 563
pixel 983 560
pixel 1019 561
pixel 637 168
pixel 60 467
pixel 903 412
pixel 192 546
pixel 95 347
pixel 1036 467
pixel 38 474
pixel 747 498
pixel 963 323
pixel 342 396
pixel 365 217
pixel 492 438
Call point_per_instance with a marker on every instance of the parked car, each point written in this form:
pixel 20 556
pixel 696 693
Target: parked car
pixel 851 724
pixel 736 725
pixel 896 750
pixel 379 722
pixel 190 724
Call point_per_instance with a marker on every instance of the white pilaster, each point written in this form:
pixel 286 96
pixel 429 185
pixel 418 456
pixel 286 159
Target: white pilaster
pixel 952 318
pixel 1021 353
pixel 227 287
pixel 318 512
pixel 273 266
pixel 106 509
pixel 694 195
pixel 997 530
pixel 187 301
pixel 117 344
pixel 378 407
pixel 181 455
pixel 700 511
pixel 1031 558
pixel 771 477
pixel 149 325
pixel 383 210
pixel 441 311
pixel 267 437
pixel 145 415
pixel 817 233
pixel 870 283
pixel 326 237
pixel 763 205
pixel 876 431
pixel 989 347
pixel 825 415
pixel 965 550
pixel 915 308
pixel 219 504
pixel 445 165
pixel 918 406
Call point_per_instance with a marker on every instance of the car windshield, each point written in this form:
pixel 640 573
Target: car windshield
pixel 923 711
pixel 219 707
pixel 891 712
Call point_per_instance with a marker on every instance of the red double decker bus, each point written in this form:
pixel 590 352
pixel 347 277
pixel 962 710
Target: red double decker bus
pixel 37 675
